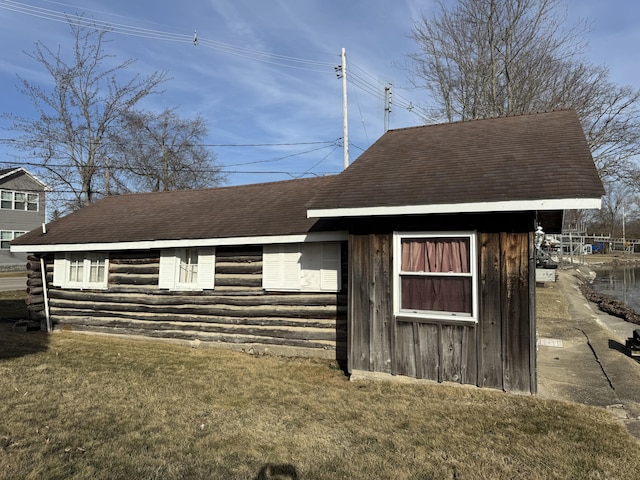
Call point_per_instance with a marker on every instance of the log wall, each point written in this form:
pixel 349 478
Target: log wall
pixel 35 291
pixel 238 312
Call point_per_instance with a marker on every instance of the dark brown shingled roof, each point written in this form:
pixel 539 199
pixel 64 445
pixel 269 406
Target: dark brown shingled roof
pixel 276 208
pixel 529 157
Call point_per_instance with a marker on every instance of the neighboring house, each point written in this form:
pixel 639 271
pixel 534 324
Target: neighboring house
pixel 417 260
pixel 22 208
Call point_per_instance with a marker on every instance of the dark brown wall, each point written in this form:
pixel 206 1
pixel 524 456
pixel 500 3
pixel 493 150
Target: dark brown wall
pixel 497 352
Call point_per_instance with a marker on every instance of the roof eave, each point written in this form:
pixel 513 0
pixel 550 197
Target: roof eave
pixel 179 243
pixel 452 208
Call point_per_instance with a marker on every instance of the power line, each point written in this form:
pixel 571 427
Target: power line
pixel 10 141
pixel 116 167
pixel 130 30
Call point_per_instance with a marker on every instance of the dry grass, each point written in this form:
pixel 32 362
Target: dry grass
pixel 551 303
pixel 77 406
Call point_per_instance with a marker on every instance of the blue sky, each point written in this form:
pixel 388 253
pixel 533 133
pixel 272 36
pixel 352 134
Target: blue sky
pixel 291 96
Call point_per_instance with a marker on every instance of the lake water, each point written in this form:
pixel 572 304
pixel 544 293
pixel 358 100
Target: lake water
pixel 621 282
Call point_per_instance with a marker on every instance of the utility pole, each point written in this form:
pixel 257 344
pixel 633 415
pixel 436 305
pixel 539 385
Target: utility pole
pixel 341 71
pixel 387 105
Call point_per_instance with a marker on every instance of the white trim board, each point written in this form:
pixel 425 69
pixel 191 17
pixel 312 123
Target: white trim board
pixel 480 207
pixel 199 242
pixel 22 169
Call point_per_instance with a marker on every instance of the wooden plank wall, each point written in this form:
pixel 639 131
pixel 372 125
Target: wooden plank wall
pixel 498 352
pixel 371 328
pixel 238 311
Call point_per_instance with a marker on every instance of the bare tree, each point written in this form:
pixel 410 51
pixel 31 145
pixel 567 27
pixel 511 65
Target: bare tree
pixel 482 58
pixel 75 117
pixel 618 206
pixel 165 152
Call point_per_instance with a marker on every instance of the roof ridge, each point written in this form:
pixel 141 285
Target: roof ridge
pixel 496 117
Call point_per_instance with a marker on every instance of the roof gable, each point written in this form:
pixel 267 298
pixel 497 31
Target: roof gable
pixel 7 173
pixel 526 162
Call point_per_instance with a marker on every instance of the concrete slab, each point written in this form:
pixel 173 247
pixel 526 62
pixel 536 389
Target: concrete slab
pixel 588 362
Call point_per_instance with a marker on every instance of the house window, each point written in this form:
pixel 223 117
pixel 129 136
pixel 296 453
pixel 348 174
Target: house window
pixel 187 268
pixel 6 200
pixel 10 200
pixel 302 267
pixel 436 276
pixel 19 201
pixel 6 236
pixel 32 202
pixel 76 269
pixel 187 260
pixel 81 270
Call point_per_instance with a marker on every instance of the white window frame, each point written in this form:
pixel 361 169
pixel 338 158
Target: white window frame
pixel 65 264
pixel 11 235
pixel 173 260
pixel 302 267
pixel 27 198
pixel 454 317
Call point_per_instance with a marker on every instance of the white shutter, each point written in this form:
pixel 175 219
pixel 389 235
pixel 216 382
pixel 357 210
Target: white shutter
pixel 281 267
pixel 167 276
pixel 59 271
pixel 271 268
pixel 206 268
pixel 330 268
pixel 291 266
pixel 310 262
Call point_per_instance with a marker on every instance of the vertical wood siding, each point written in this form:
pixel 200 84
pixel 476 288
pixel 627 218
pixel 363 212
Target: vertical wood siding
pixel 370 263
pixel 497 352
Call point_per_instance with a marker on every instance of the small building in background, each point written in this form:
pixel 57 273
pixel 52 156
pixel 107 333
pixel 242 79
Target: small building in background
pixel 22 208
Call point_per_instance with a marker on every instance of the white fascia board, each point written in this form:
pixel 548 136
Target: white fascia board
pixel 200 242
pixel 11 172
pixel 481 207
pixel 22 169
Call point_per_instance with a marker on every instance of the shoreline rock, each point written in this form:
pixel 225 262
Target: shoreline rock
pixel 610 304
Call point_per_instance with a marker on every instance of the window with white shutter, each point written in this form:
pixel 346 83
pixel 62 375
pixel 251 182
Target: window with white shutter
pixel 302 267
pixel 187 269
pixel 81 270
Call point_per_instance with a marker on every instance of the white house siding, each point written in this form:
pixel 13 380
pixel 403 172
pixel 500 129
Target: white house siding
pixel 17 220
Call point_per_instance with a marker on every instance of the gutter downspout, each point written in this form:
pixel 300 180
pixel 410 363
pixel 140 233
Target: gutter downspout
pixel 45 293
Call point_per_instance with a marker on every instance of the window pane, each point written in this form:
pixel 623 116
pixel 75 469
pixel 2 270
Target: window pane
pixel 32 202
pixel 76 269
pixel 435 255
pixel 433 293
pixel 21 201
pixel 96 271
pixel 6 199
pixel 5 238
pixel 189 266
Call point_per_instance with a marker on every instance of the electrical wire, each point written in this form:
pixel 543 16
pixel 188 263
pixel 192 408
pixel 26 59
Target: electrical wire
pixel 358 77
pixel 124 29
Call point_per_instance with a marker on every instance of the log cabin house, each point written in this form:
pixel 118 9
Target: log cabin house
pixel 417 260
